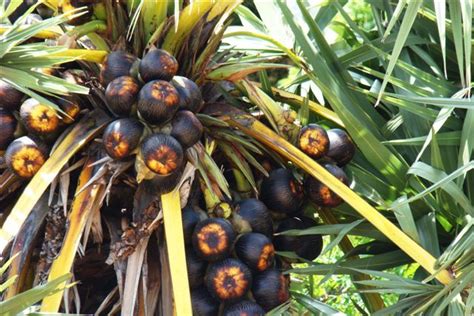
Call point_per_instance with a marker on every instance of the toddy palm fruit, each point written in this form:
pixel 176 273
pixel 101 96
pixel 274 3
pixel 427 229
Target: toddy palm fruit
pixel 341 147
pixel 162 154
pixel 121 137
pixel 158 102
pixel 320 194
pixel 313 140
pixel 121 94
pixel 281 192
pixel 228 280
pixel 25 156
pixel 213 239
pixel 255 250
pixel 158 64
pixel 39 119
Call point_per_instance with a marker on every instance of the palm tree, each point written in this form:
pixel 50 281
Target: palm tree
pixel 410 192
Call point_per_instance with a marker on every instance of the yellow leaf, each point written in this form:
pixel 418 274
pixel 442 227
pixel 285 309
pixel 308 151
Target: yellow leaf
pixel 82 208
pixel 44 34
pixel 96 56
pixel 176 254
pixel 188 18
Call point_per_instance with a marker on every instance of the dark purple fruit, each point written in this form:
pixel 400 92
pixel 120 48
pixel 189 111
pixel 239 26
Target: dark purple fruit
pixel 281 192
pixel 313 140
pixel 203 303
pixel 71 106
pixel 244 308
pixel 254 214
pixel 196 268
pixel 158 102
pixel 255 250
pixel 121 137
pixel 213 239
pixel 271 289
pixel 7 128
pixel 121 94
pixel 165 184
pixel 308 246
pixel 320 194
pixel 162 154
pixel 116 64
pixel 10 98
pixel 341 147
pixel 228 280
pixel 39 119
pixel 158 64
pixel 190 220
pixel 186 128
pixel 25 156
pixel 190 97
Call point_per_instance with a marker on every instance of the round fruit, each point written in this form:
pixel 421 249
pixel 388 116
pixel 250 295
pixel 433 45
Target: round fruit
pixel 71 107
pixel 190 220
pixel 121 94
pixel 313 140
pixel 281 192
pixel 165 184
pixel 213 239
pixel 7 128
pixel 196 268
pixel 186 128
pixel 228 280
pixel 320 194
pixel 116 64
pixel 158 102
pixel 190 97
pixel 158 64
pixel 162 154
pixel 253 213
pixel 341 147
pixel 307 246
pixel 244 308
pixel 39 118
pixel 255 250
pixel 271 289
pixel 10 98
pixel 25 156
pixel 121 137
pixel 203 303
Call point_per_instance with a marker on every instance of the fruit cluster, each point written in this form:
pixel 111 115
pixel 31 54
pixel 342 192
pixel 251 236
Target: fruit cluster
pixel 334 149
pixel 148 92
pixel 233 262
pixel 238 270
pixel 34 125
